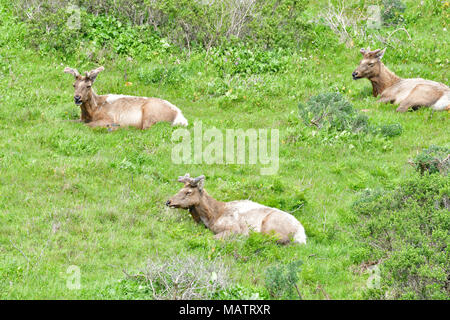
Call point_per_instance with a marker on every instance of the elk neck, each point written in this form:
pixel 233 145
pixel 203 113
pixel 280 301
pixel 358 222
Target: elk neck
pixel 89 107
pixel 383 80
pixel 208 209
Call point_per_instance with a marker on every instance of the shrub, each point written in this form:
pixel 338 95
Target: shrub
pixel 182 277
pixel 338 121
pixel 407 231
pixel 281 280
pixel 331 111
pixel 433 159
pixel 389 130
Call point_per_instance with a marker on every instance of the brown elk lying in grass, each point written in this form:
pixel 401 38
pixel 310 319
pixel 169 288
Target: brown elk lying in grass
pixel 407 93
pixel 119 110
pixel 225 218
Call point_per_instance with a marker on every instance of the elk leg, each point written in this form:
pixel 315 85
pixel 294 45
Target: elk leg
pixel 404 107
pixel 147 123
pixel 385 100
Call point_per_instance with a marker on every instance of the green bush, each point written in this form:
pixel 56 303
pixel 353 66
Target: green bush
pixel 389 130
pixel 337 120
pixel 433 159
pixel 407 231
pixel 280 281
pixel 331 111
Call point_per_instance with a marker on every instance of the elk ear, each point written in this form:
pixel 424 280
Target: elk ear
pixel 200 182
pixel 363 51
pixel 92 75
pixel 73 72
pixel 380 54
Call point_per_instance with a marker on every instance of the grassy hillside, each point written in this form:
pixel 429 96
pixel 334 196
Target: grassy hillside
pixel 71 195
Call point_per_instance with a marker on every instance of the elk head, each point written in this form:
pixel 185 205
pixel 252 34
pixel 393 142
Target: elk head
pixel 190 195
pixel 370 65
pixel 83 84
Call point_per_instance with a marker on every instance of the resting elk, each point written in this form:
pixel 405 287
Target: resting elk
pixel 113 110
pixel 407 93
pixel 239 217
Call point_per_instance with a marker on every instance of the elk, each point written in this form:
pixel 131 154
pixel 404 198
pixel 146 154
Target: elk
pixel 114 110
pixel 407 93
pixel 235 217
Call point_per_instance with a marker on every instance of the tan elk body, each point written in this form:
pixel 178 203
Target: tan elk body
pixel 240 217
pixel 407 93
pixel 120 110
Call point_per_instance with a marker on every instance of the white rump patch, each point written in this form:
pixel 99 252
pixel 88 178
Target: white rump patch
pixel 442 103
pixel 300 236
pixel 179 119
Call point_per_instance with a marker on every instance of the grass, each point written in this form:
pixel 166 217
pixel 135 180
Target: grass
pixel 71 195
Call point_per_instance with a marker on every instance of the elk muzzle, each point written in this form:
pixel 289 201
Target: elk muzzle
pixel 355 75
pixel 77 100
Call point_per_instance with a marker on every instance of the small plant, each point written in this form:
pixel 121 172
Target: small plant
pixel 282 280
pixel 390 130
pixel 331 111
pixel 433 159
pixel 166 75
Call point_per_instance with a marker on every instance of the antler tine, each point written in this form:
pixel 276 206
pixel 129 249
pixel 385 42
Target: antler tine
pixel 71 71
pixel 199 178
pixel 185 178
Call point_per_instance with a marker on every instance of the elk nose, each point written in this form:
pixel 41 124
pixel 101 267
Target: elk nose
pixel 355 73
pixel 168 203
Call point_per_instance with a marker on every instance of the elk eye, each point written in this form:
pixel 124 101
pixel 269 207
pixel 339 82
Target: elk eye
pixel 188 193
pixel 371 65
pixel 88 87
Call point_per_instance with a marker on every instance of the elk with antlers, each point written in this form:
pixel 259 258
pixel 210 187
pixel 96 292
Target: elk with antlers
pixel 119 110
pixel 241 216
pixel 407 93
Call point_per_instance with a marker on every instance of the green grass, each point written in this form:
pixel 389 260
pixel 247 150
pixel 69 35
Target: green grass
pixel 106 191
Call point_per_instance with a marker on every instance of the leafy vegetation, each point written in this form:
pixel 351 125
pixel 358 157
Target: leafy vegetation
pixel 75 196
pixel 433 159
pixel 332 111
pixel 407 231
pixel 281 280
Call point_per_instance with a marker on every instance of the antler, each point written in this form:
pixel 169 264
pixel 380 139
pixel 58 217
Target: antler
pixel 74 72
pixel 185 179
pixel 193 182
pixel 94 73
